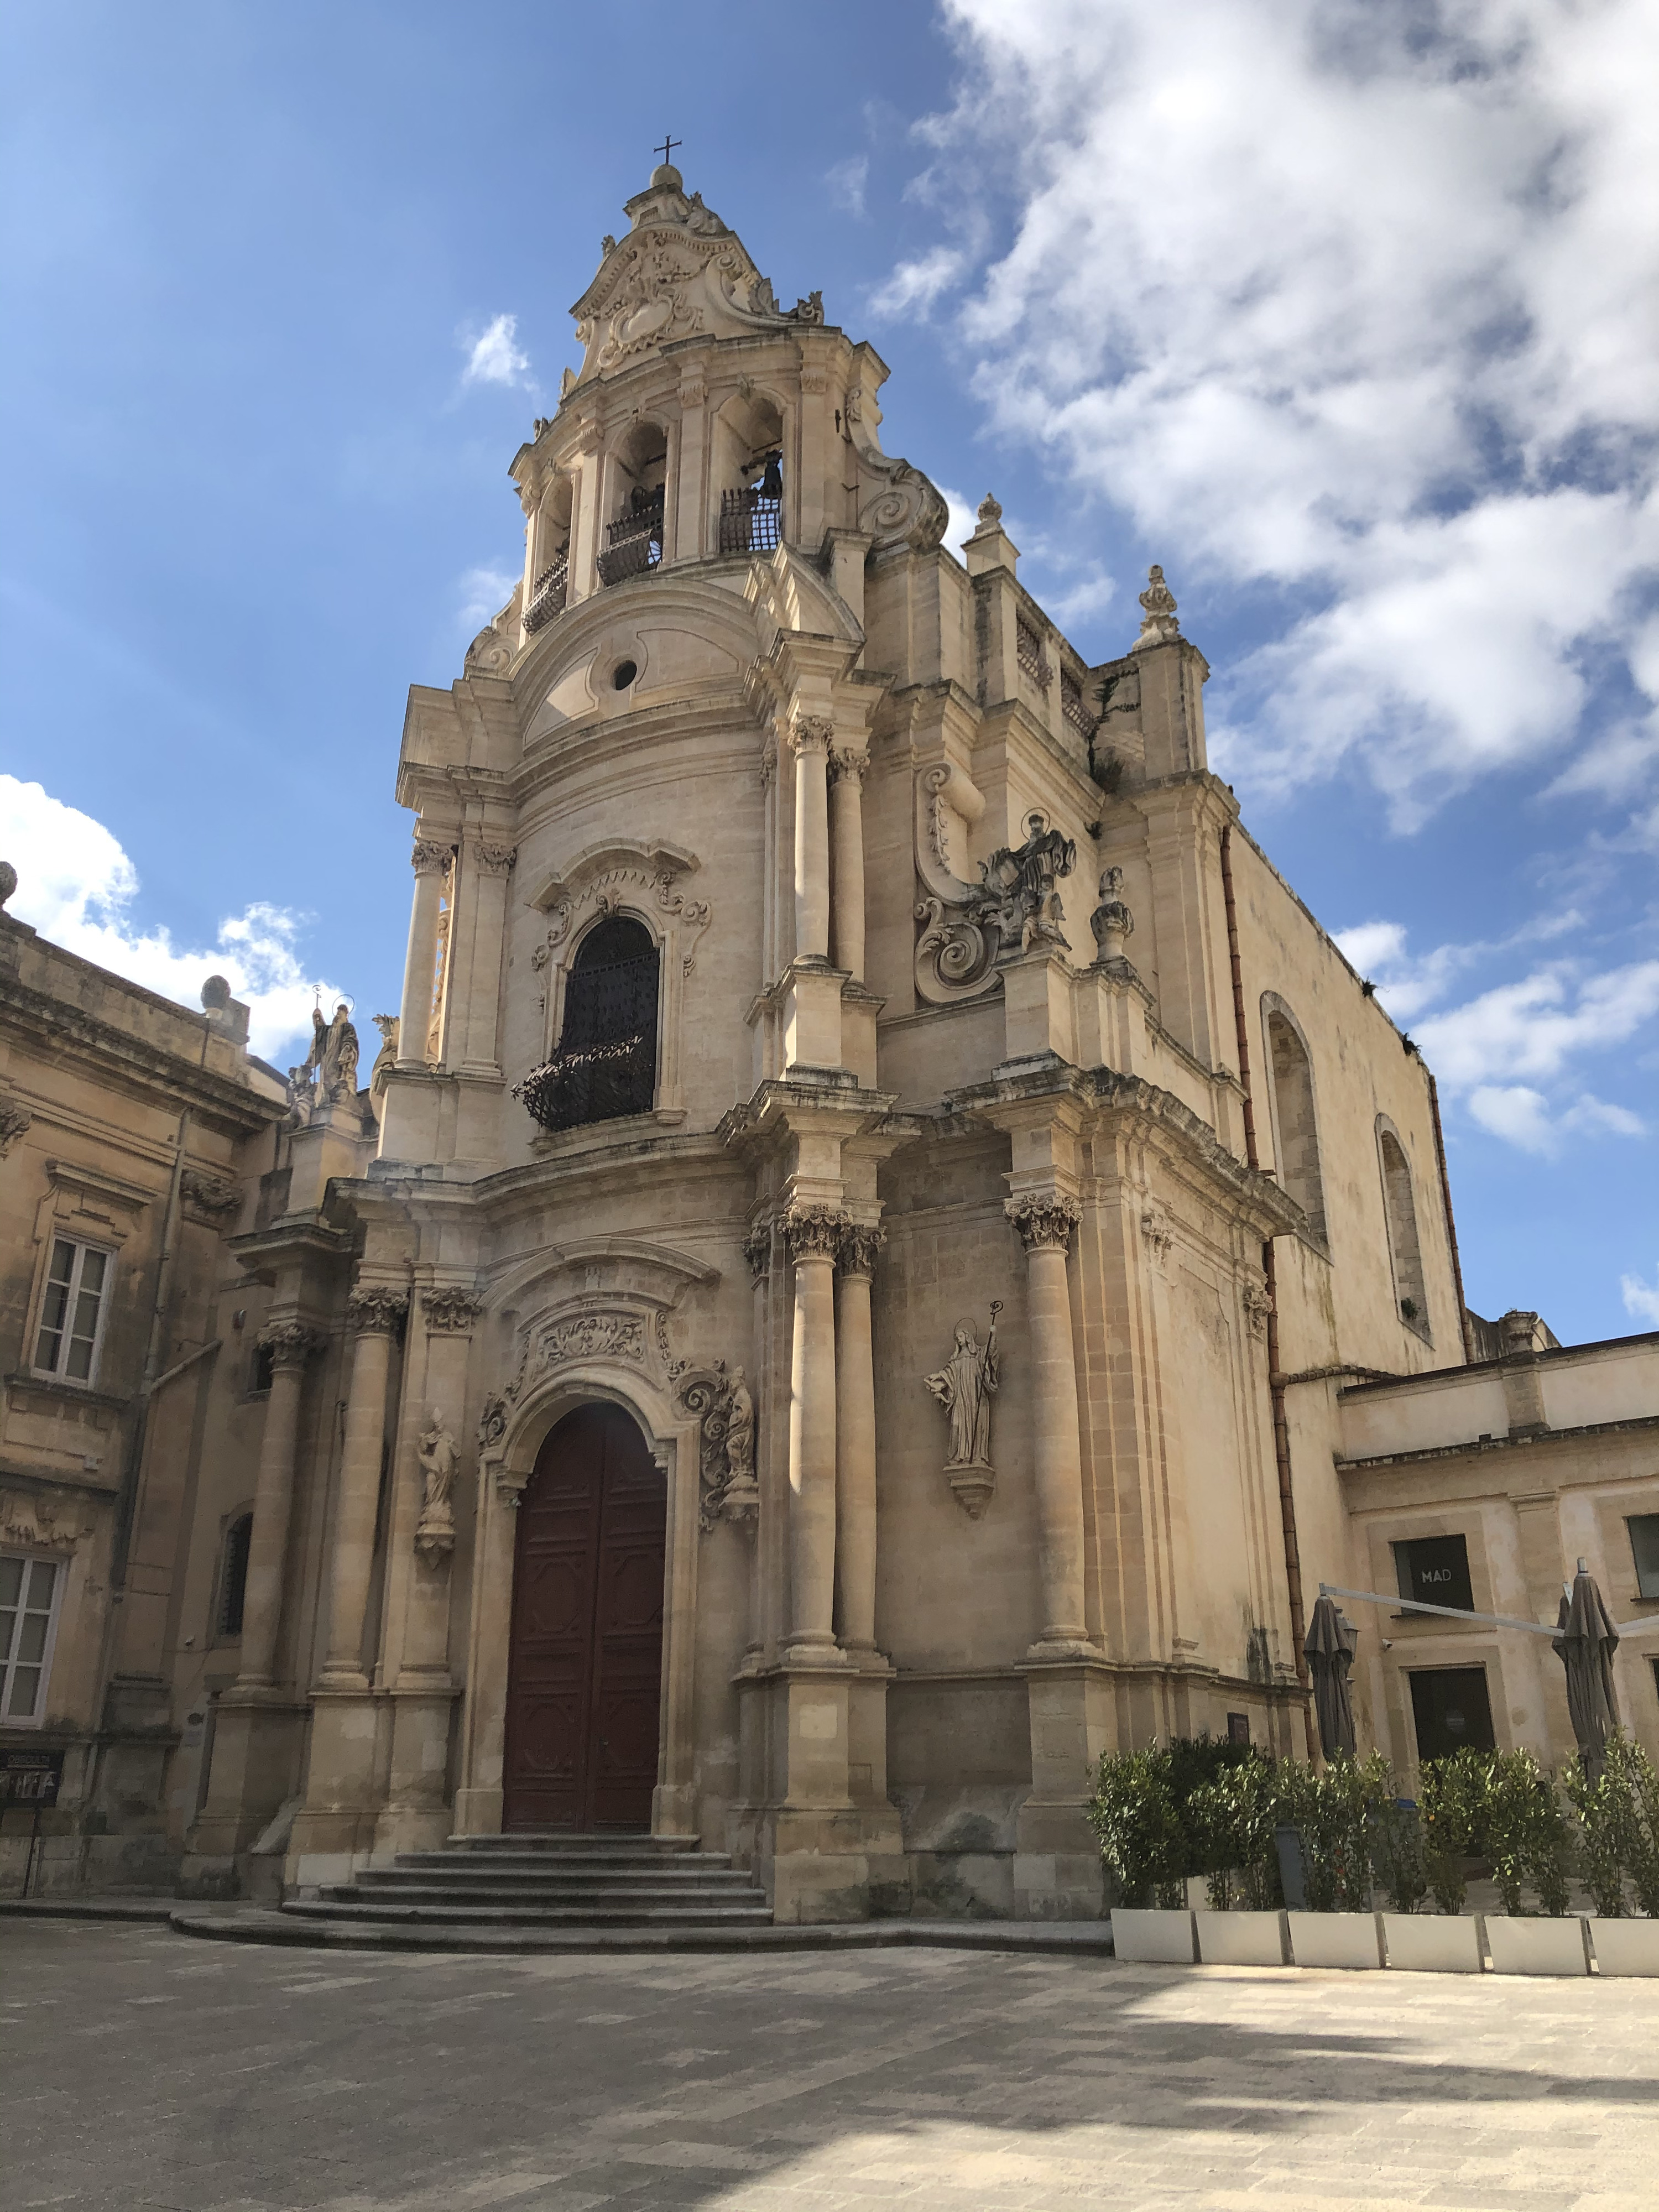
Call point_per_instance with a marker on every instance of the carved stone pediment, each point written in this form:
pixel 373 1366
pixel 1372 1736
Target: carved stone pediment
pixel 678 273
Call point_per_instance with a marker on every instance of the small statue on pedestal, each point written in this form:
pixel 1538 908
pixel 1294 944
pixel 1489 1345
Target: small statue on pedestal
pixel 434 1536
pixel 965 1386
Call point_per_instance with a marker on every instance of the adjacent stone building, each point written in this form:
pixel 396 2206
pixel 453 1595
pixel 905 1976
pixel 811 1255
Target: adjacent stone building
pixel 835 1304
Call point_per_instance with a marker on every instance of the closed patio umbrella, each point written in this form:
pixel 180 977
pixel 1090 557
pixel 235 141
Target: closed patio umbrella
pixel 1330 1649
pixel 1585 1645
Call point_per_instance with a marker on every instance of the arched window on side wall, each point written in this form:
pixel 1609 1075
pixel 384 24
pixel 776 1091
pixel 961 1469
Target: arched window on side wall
pixel 233 1576
pixel 1404 1248
pixel 1296 1134
pixel 606 1062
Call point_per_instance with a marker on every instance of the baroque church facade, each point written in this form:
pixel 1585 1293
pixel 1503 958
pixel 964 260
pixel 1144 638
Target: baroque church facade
pixel 833 1307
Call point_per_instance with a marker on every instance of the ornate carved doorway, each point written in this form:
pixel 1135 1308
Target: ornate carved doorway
pixel 584 1662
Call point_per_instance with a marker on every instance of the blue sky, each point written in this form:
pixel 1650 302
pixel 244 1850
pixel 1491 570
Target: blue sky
pixel 1344 313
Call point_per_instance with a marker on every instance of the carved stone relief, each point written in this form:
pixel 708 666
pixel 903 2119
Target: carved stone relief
pixel 965 1386
pixel 1111 923
pixel 1257 1305
pixel 373 1310
pixel 725 1407
pixel 14 1119
pixel 1013 909
pixel 289 1343
pixel 214 1194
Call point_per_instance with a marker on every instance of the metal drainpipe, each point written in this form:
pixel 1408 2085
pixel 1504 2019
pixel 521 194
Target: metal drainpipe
pixel 1275 1377
pixel 1463 1328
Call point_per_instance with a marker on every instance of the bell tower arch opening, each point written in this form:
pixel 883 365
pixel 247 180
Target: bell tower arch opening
pixel 748 473
pixel 549 554
pixel 638 476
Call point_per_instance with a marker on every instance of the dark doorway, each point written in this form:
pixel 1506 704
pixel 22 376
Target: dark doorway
pixel 584 1662
pixel 1452 1711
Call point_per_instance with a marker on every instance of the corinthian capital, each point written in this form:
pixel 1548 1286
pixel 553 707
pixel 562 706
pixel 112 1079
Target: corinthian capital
pixel 450 1311
pixel 811 734
pixel 814 1231
pixel 848 764
pixel 1045 1219
pixel 859 1243
pixel 430 858
pixel 375 1311
pixel 493 859
pixel 289 1343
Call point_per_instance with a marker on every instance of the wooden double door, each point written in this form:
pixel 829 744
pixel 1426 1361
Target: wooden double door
pixel 585 1664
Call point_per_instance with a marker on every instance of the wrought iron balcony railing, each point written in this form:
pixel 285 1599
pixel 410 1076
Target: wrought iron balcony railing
pixel 749 520
pixel 591 1082
pixel 548 596
pixel 634 541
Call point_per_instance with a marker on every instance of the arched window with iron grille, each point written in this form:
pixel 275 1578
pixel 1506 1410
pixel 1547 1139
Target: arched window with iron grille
pixel 606 1062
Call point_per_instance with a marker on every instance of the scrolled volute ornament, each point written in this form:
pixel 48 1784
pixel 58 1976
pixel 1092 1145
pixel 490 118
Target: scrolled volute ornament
pixel 725 1407
pixel 1044 1222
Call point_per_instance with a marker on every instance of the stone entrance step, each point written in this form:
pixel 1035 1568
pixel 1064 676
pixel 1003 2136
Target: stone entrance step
pixel 550 1881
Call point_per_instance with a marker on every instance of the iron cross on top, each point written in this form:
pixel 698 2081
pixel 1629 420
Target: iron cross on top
pixel 667 148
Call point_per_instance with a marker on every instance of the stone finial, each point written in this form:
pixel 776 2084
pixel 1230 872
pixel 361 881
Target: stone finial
pixel 8 881
pixel 1159 626
pixel 989 512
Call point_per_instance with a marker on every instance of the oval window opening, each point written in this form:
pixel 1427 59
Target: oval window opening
pixel 623 674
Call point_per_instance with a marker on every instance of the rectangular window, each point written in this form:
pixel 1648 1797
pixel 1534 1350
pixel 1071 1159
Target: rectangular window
pixel 1451 1710
pixel 1435 1571
pixel 29 1591
pixel 1644 1543
pixel 71 1313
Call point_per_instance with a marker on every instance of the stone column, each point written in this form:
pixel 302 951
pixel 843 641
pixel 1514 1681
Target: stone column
pixel 814 1233
pixel 809 737
pixel 431 862
pixel 488 864
pixel 1045 1222
pixel 846 769
pixel 855 1441
pixel 291 1345
pixel 371 1315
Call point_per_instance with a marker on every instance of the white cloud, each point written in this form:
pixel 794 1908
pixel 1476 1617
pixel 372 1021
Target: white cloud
pixel 495 358
pixel 484 594
pixel 76 885
pixel 1349 301
pixel 964 516
pixel 1534 1027
pixel 914 286
pixel 1524 1117
pixel 848 181
pixel 1641 1299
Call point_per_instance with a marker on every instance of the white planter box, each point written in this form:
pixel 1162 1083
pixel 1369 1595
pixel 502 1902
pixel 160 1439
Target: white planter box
pixel 1625 1946
pixel 1336 1939
pixel 1242 1939
pixel 1161 1939
pixel 1435 1942
pixel 1536 1946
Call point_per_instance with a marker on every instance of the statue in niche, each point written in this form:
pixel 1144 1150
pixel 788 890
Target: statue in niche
pixel 434 1536
pixel 329 1070
pixel 739 1434
pixel 965 1386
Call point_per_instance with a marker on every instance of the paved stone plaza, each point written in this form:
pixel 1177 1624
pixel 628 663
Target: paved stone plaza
pixel 145 2070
